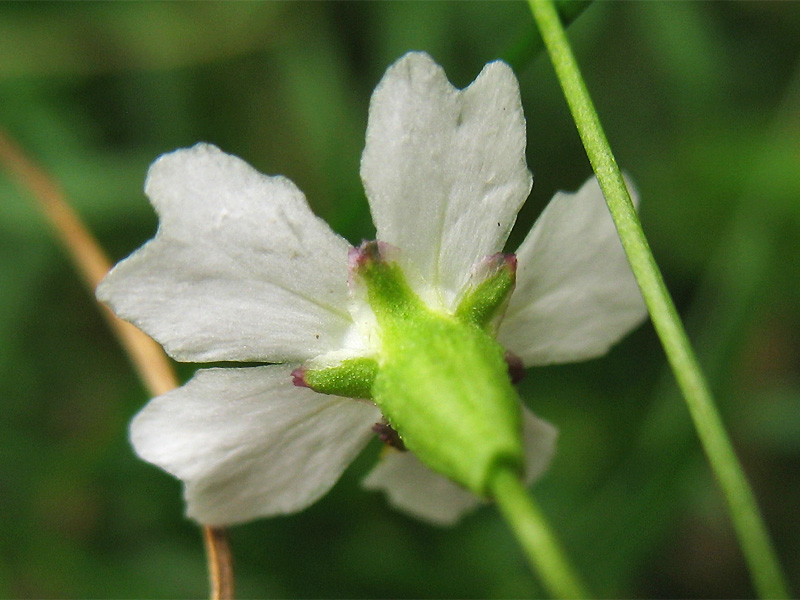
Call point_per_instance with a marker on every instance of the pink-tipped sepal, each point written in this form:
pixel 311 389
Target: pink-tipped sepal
pixel 299 377
pixel 485 297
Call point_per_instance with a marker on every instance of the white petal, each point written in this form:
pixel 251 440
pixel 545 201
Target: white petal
pixel 415 489
pixel 445 169
pixel 247 443
pixel 540 444
pixel 240 268
pixel 576 295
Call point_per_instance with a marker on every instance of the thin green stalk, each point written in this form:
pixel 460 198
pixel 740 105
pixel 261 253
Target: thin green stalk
pixel 748 523
pixel 526 46
pixel 534 535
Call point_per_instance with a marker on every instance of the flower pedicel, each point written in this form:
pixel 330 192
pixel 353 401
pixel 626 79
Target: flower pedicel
pixel 412 336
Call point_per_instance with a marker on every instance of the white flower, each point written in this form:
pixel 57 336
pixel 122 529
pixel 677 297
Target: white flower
pixel 241 270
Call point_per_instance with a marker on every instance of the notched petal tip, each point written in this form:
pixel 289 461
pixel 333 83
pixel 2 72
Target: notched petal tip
pixel 462 196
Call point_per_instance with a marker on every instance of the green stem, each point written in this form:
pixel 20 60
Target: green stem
pixel 529 525
pixel 526 46
pixel 753 538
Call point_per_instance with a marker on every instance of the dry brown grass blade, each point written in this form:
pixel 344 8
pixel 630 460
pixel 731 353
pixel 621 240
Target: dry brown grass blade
pixel 149 360
pixel 220 563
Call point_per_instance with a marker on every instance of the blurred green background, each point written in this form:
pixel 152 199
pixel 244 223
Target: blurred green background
pixel 701 102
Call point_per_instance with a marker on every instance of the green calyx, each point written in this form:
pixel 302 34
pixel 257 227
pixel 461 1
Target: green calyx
pixel 440 379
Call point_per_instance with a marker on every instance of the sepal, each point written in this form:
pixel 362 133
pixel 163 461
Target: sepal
pixel 387 290
pixel 351 378
pixel 486 297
